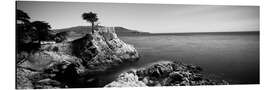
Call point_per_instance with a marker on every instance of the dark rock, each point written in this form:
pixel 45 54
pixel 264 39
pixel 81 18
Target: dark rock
pixel 176 75
pixel 47 83
pixel 194 68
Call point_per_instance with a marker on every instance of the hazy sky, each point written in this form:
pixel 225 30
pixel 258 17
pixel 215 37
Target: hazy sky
pixel 155 18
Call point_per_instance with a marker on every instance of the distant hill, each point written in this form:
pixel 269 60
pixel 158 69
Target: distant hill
pixel 211 33
pixel 127 32
pixel 82 30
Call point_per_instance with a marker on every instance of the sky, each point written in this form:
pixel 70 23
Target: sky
pixel 154 18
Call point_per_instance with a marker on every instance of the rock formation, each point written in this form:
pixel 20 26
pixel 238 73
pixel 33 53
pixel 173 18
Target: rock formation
pixel 103 50
pixel 164 74
pixel 66 64
pixel 127 80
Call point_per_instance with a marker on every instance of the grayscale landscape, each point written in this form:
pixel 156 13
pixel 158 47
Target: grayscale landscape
pixel 86 45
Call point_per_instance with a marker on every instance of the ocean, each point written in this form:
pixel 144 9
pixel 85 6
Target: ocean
pixel 233 57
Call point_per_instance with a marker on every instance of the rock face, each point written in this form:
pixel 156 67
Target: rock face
pixel 166 74
pixel 47 69
pixel 103 50
pixel 65 64
pixel 127 80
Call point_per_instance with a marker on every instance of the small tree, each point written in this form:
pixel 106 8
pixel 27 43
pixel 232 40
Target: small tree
pixel 90 17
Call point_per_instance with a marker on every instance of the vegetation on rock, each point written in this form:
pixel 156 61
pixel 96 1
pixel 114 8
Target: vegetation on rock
pixel 67 64
pixel 90 17
pixel 30 34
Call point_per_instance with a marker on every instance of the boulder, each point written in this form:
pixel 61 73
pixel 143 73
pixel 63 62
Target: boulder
pixel 127 80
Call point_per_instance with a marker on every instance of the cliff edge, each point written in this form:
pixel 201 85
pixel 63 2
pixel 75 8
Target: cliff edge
pixel 65 65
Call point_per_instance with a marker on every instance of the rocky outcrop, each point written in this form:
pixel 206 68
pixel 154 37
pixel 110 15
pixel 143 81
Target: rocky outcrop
pixel 98 51
pixel 47 69
pixel 166 74
pixel 127 80
pixel 66 64
pixel 103 50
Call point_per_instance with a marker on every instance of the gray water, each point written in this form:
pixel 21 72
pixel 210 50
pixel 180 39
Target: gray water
pixel 234 58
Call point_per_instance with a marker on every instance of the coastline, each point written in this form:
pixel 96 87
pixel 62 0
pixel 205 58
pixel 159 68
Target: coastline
pixel 164 73
pixel 97 80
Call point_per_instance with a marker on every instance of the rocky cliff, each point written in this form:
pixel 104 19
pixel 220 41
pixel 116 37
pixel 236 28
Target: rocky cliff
pixel 67 64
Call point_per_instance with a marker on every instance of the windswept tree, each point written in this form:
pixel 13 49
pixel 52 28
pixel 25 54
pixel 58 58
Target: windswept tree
pixel 29 34
pixel 22 24
pixel 24 31
pixel 22 17
pixel 90 17
pixel 42 28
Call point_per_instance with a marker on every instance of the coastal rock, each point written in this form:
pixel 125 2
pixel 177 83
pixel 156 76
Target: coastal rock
pixel 127 80
pixel 103 50
pixel 43 60
pixel 99 51
pixel 68 64
pixel 47 84
pixel 157 70
pixel 22 81
pixel 170 74
pixel 46 69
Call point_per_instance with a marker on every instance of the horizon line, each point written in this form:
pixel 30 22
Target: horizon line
pixel 165 32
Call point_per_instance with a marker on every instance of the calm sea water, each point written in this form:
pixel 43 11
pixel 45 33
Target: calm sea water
pixel 234 58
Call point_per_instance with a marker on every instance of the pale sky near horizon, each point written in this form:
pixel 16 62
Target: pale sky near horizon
pixel 154 18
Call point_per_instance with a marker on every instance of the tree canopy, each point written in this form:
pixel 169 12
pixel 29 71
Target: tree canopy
pixel 22 16
pixel 29 34
pixel 90 17
pixel 42 28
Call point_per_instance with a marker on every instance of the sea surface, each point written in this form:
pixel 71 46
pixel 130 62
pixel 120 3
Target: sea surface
pixel 230 57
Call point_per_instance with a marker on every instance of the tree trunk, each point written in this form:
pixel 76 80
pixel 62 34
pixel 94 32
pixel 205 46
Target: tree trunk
pixel 92 27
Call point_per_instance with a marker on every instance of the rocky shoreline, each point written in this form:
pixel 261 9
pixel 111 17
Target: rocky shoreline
pixel 164 73
pixel 75 64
